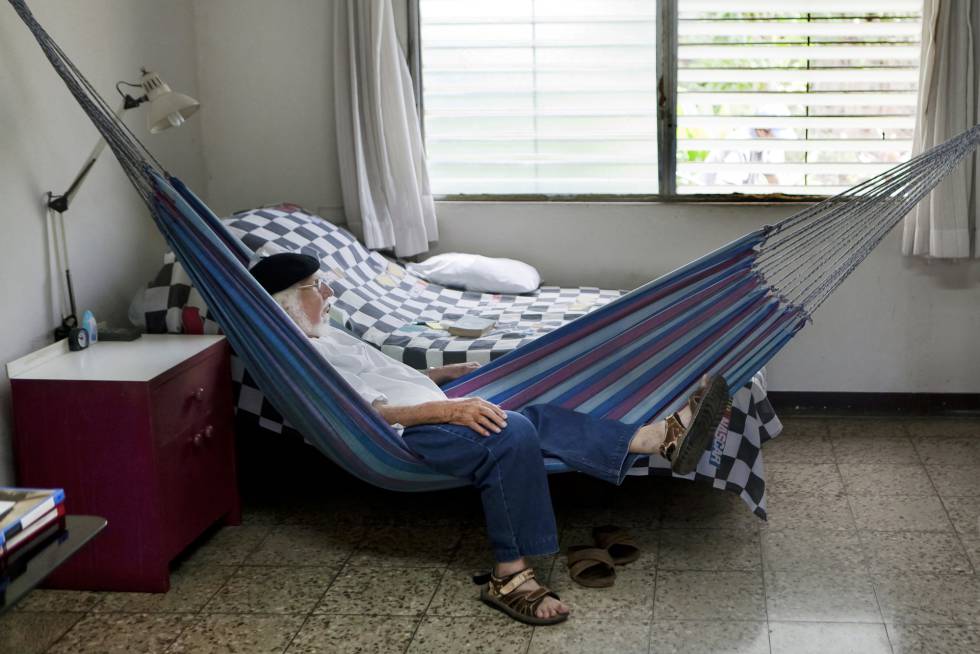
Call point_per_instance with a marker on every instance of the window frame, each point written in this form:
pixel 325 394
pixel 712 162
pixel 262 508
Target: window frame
pixel 666 65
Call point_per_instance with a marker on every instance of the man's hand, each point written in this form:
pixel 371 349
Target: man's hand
pixel 479 415
pixel 448 373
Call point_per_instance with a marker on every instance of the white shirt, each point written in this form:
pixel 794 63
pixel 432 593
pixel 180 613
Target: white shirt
pixel 373 375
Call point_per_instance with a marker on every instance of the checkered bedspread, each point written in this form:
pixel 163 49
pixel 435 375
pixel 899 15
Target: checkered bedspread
pixel 382 303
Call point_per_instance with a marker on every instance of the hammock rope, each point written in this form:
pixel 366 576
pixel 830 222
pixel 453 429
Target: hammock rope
pixel 632 360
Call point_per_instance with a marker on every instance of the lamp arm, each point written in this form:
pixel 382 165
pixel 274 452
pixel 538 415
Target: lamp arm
pixel 60 203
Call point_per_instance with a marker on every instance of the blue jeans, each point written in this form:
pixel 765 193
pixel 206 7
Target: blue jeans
pixel 508 468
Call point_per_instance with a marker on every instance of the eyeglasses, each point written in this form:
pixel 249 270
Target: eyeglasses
pixel 318 283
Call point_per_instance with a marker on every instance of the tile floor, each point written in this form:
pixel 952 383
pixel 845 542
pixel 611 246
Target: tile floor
pixel 872 546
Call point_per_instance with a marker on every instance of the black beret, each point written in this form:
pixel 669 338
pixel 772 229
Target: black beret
pixel 280 271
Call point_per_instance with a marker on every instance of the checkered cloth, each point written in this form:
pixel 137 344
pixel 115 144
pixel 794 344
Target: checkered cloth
pixel 403 315
pixel 735 459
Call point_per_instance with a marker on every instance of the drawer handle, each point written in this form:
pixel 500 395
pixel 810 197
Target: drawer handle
pixel 209 431
pixel 197 439
pixel 199 394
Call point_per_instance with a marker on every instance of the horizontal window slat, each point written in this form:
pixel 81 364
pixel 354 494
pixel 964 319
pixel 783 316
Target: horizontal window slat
pixel 799 122
pixel 797 145
pixel 533 159
pixel 820 28
pixel 761 189
pixel 781 168
pixel 818 98
pixel 838 75
pixel 802 6
pixel 809 52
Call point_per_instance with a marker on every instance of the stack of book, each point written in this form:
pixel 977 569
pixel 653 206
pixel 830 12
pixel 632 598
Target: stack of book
pixel 28 517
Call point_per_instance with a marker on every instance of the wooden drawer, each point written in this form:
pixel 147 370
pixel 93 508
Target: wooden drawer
pixel 197 478
pixel 182 402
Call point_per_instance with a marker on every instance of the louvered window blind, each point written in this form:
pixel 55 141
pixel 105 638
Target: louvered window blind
pixel 559 97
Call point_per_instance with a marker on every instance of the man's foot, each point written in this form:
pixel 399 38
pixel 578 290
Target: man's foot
pixel 654 437
pixel 549 607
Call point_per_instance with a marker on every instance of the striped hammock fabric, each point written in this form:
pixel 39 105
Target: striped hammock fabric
pixel 632 360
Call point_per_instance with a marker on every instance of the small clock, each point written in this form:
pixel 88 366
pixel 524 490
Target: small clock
pixel 77 339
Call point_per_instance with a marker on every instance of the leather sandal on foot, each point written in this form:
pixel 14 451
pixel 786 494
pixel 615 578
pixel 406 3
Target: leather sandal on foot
pixel 618 542
pixel 591 566
pixel 501 593
pixel 684 446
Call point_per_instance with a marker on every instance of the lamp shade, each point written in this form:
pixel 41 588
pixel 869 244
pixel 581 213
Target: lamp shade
pixel 167 108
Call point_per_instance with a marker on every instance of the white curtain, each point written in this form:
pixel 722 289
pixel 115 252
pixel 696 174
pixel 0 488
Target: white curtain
pixel 387 198
pixel 942 224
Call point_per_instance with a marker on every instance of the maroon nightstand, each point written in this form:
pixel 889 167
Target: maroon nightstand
pixel 139 432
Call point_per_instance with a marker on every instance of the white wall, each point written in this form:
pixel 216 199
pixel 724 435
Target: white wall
pixel 44 136
pixel 896 326
pixel 267 86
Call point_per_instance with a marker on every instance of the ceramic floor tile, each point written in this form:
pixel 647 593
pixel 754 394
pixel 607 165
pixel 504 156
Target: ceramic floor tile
pixel 299 545
pixel 825 596
pixel 191 586
pixel 641 515
pixel 957 451
pixel 269 589
pixel 238 634
pixel 475 555
pixel 260 515
pixel 927 427
pixel 813 550
pixel 864 427
pixel 899 513
pixel 579 636
pixel 699 507
pixel 964 512
pixel 917 552
pixel 473 551
pixel 798 448
pixel 805 427
pixel 353 634
pixel 874 449
pixel 808 511
pixel 710 549
pixel 380 591
pixel 955 481
pixel 886 479
pixel 24 632
pixel 928 639
pixel 429 547
pixel 971 543
pixel 828 638
pixel 647 540
pixel 811 479
pixel 227 546
pixel 122 633
pixel 929 599
pixel 629 600
pixel 58 601
pixel 490 634
pixel 714 636
pixel 690 595
pixel 458 597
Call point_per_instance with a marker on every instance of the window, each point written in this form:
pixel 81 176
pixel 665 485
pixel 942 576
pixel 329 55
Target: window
pixel 560 97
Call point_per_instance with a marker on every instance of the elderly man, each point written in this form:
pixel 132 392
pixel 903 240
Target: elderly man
pixel 500 452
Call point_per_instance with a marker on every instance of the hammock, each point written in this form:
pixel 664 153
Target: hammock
pixel 632 360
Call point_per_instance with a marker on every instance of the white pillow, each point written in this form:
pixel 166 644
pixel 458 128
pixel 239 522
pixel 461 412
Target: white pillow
pixel 474 272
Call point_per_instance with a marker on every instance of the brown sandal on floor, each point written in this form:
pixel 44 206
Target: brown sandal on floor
pixel 683 446
pixel 590 566
pixel 617 542
pixel 501 593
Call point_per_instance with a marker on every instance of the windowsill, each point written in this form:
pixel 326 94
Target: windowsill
pixel 733 199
